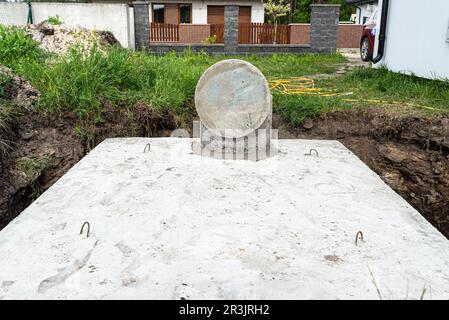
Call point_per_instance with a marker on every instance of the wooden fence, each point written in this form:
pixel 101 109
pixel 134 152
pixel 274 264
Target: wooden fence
pixel 218 31
pixel 164 32
pixel 263 33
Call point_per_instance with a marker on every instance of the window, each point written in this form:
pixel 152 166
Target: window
pixel 158 13
pixel 185 13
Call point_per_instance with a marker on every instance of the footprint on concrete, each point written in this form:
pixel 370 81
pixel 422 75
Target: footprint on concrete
pixel 63 274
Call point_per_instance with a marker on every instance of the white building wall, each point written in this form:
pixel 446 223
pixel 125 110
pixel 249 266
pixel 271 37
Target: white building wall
pixel 13 13
pixel 257 13
pixel 110 17
pixel 199 12
pixel 199 9
pixel 365 11
pixel 416 38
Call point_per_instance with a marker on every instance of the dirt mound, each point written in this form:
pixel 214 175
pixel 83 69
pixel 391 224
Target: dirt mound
pixel 411 154
pixel 58 38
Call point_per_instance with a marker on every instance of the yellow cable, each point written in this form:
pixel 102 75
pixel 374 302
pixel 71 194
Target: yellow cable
pixel 306 86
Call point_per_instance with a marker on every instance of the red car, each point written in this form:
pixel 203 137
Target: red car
pixel 368 38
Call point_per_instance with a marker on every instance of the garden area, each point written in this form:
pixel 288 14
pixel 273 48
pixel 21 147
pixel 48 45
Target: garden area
pixel 56 106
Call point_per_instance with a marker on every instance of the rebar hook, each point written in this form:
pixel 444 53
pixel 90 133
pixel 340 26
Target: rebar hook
pixel 145 149
pixel 359 233
pixel 88 228
pixel 310 152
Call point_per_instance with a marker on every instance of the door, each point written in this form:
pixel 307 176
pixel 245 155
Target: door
pixel 244 24
pixel 245 14
pixel 215 14
pixel 215 18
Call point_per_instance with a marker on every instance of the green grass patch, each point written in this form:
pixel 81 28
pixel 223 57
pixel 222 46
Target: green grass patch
pixel 33 167
pixel 85 82
pixel 382 87
pixel 296 108
pixel 54 20
pixel 287 65
pixel 7 111
pixel 366 87
pixel 16 48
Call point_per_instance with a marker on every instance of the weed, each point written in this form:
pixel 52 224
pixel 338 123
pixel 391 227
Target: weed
pixel 7 113
pixel 33 168
pixel 54 20
pixel 86 134
pixel 423 293
pixel 210 40
pixel 7 110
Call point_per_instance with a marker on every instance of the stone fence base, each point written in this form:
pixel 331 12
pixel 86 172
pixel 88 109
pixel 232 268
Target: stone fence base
pixel 219 49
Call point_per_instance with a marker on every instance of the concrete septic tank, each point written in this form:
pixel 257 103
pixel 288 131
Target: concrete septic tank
pixel 170 224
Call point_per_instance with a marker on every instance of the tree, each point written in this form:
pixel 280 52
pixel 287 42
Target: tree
pixel 301 14
pixel 292 4
pixel 276 9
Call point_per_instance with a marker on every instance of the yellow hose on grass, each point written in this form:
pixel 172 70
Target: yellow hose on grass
pixel 306 86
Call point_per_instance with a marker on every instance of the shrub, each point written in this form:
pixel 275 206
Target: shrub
pixel 211 39
pixel 16 47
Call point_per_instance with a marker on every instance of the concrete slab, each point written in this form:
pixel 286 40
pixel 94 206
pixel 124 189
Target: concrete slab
pixel 168 224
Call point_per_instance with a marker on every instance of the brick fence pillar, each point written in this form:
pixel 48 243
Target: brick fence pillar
pixel 324 27
pixel 231 28
pixel 141 25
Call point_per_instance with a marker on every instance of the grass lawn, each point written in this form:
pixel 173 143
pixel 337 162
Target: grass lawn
pixel 87 82
pixel 366 87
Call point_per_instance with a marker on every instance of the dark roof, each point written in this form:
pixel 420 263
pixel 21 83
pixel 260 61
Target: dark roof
pixel 359 1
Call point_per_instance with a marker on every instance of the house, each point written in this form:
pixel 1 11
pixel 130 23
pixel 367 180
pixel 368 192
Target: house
pixel 421 45
pixel 199 11
pixel 196 25
pixel 193 21
pixel 365 9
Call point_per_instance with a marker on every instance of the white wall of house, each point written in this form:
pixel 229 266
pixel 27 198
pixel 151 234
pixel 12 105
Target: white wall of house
pixel 417 38
pixel 365 11
pixel 199 9
pixel 117 18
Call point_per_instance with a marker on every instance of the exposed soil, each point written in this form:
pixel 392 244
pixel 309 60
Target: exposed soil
pixel 53 137
pixel 411 154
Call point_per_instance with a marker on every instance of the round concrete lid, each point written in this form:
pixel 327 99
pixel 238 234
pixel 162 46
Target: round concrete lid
pixel 232 98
